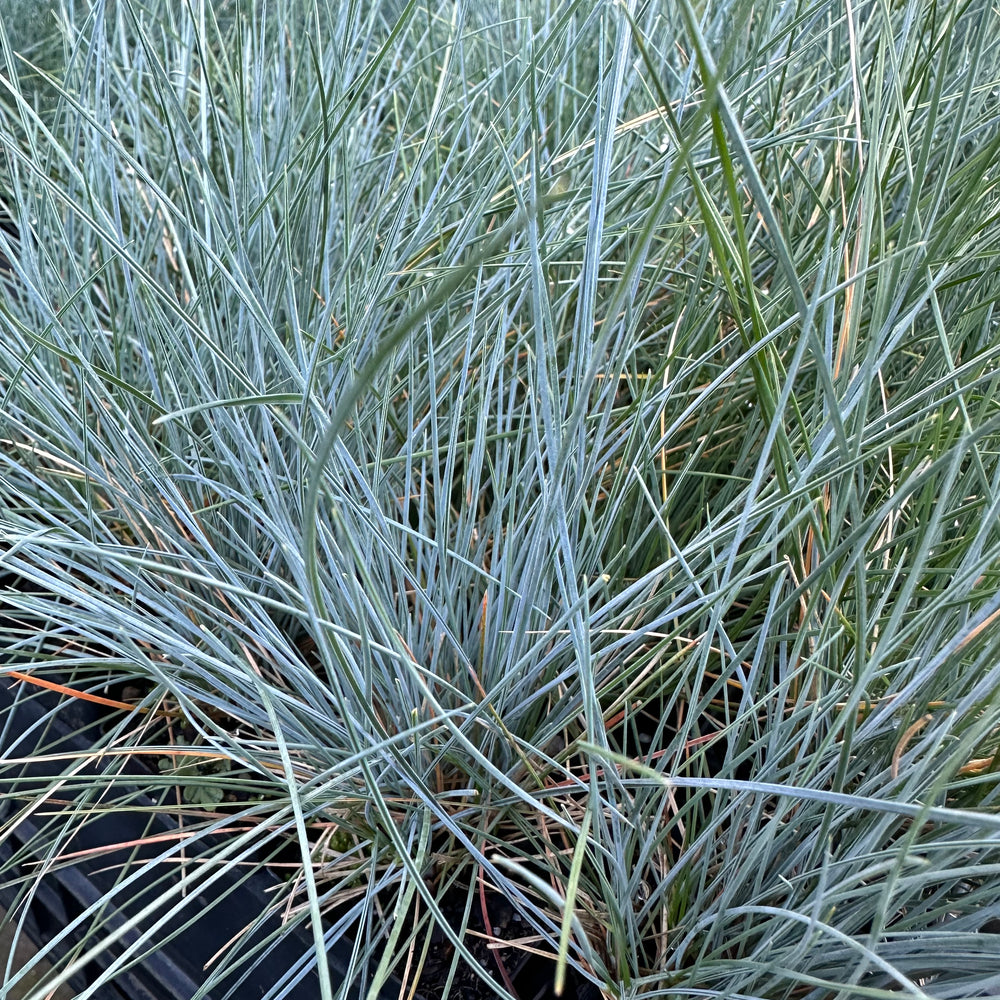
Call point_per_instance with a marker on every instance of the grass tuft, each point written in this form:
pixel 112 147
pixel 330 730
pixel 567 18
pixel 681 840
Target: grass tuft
pixel 530 452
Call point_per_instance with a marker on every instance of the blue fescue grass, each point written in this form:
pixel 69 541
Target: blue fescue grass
pixel 551 444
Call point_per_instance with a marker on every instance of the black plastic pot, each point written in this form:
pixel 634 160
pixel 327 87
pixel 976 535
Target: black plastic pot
pixel 176 970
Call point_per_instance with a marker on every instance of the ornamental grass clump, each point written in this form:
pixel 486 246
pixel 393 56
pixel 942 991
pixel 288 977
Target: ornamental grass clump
pixel 519 456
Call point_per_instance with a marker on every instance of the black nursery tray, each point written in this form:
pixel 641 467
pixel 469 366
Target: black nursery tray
pixel 176 970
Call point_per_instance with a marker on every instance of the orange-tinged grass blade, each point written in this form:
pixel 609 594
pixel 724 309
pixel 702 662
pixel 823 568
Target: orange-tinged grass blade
pixel 74 693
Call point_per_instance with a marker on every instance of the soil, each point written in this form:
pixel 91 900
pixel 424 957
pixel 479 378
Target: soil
pixel 531 975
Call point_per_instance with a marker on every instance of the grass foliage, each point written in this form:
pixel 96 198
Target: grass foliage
pixel 546 446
